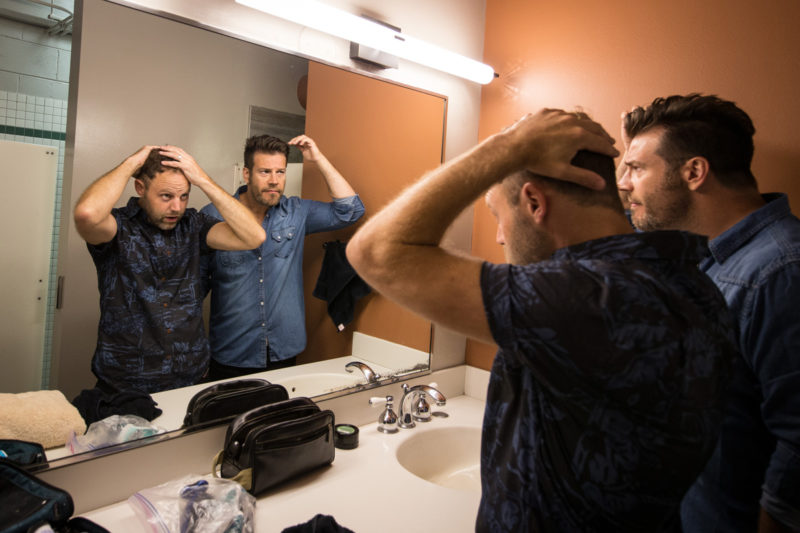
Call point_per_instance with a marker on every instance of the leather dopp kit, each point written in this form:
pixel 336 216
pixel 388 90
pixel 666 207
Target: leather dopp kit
pixel 269 445
pixel 227 400
pixel 27 502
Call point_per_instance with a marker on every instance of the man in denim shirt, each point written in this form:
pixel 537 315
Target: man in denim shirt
pixel 687 166
pixel 257 308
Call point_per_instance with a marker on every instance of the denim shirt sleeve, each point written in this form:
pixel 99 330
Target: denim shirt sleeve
pixel 773 338
pixel 337 214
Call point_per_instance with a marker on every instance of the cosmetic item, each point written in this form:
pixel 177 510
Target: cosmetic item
pixel 345 436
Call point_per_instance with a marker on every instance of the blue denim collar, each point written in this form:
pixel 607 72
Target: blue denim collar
pixel 726 244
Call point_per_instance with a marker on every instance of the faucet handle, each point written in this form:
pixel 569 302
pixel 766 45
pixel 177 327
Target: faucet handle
pixel 387 421
pixel 422 409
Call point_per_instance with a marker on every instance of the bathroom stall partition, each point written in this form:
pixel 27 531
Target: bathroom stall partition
pixel 28 181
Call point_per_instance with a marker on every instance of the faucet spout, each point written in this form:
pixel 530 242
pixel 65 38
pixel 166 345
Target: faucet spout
pixel 406 415
pixel 369 374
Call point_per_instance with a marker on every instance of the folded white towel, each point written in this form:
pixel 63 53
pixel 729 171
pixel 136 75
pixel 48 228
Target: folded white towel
pixel 43 416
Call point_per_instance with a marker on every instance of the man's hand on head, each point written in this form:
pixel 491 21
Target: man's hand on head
pixel 547 141
pixel 306 145
pixel 185 163
pixel 138 158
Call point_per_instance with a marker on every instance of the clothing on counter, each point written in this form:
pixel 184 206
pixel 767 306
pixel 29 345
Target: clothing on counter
pixel 96 404
pixel 319 524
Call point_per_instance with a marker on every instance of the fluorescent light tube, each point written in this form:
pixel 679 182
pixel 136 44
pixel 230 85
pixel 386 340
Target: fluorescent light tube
pixel 324 18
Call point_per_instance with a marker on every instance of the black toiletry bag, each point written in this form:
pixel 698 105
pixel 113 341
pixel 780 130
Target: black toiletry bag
pixel 269 445
pixel 225 401
pixel 23 453
pixel 27 502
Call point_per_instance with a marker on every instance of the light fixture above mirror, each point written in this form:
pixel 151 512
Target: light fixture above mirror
pixel 327 19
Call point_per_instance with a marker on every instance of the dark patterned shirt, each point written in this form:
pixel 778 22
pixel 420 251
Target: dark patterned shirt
pixel 151 335
pixel 604 400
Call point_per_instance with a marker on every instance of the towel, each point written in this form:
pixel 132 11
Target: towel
pixel 44 416
pixel 339 285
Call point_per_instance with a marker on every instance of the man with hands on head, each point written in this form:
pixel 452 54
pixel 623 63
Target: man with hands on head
pixel 147 254
pixel 257 307
pixel 604 397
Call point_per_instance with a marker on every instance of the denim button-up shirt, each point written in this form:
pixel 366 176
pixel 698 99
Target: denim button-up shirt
pixel 257 295
pixel 756 265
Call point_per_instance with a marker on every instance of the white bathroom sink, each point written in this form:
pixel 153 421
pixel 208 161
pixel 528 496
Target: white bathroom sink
pixel 318 383
pixel 449 456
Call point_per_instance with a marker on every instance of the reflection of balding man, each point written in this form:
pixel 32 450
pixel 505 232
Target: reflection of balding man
pixel 147 255
pixel 605 394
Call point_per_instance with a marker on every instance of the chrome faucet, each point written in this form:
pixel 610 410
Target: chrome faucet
pixel 371 375
pixel 409 413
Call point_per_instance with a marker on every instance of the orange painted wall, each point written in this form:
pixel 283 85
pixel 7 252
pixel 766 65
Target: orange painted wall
pixel 368 128
pixel 609 56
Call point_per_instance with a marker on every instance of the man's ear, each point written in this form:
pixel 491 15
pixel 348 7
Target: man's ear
pixel 533 202
pixel 695 171
pixel 246 175
pixel 139 185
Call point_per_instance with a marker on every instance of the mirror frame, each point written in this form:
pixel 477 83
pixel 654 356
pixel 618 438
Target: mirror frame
pixel 196 24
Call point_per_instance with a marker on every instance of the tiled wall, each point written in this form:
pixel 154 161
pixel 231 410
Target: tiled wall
pixel 38 120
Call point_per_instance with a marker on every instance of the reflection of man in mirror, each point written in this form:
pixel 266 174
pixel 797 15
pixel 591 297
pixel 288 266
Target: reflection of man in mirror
pixel 606 394
pixel 257 308
pixel 147 255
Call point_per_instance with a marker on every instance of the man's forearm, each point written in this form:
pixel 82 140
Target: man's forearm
pixel 241 220
pixel 338 186
pixel 99 198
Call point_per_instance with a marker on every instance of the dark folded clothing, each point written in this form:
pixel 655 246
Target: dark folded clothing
pixel 97 404
pixel 339 285
pixel 319 524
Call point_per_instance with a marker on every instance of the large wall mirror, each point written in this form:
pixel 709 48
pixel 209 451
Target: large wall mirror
pixel 141 78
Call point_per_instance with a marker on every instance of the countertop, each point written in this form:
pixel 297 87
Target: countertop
pixel 365 489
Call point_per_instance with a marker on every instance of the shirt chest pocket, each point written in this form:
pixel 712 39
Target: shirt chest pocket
pixel 233 260
pixel 283 240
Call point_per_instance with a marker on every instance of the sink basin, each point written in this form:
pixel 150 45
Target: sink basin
pixel 449 457
pixel 318 383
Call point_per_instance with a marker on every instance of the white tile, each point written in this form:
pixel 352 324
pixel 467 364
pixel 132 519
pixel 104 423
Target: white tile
pixel 3 95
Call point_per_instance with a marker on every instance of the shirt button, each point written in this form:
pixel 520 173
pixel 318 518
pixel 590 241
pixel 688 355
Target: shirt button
pixel 259 258
pixel 261 281
pixel 263 324
pixel 262 303
pixel 169 330
pixel 165 305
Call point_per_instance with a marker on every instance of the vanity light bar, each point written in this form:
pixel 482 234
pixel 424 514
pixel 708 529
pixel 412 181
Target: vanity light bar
pixel 327 19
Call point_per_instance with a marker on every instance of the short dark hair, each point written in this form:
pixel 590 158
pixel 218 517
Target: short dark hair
pixel 700 125
pixel 266 144
pixel 599 163
pixel 153 165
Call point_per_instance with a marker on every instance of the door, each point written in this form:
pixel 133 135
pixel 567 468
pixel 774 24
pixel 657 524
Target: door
pixel 28 178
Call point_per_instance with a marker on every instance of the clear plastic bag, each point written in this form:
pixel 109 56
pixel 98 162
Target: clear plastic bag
pixel 114 429
pixel 197 504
